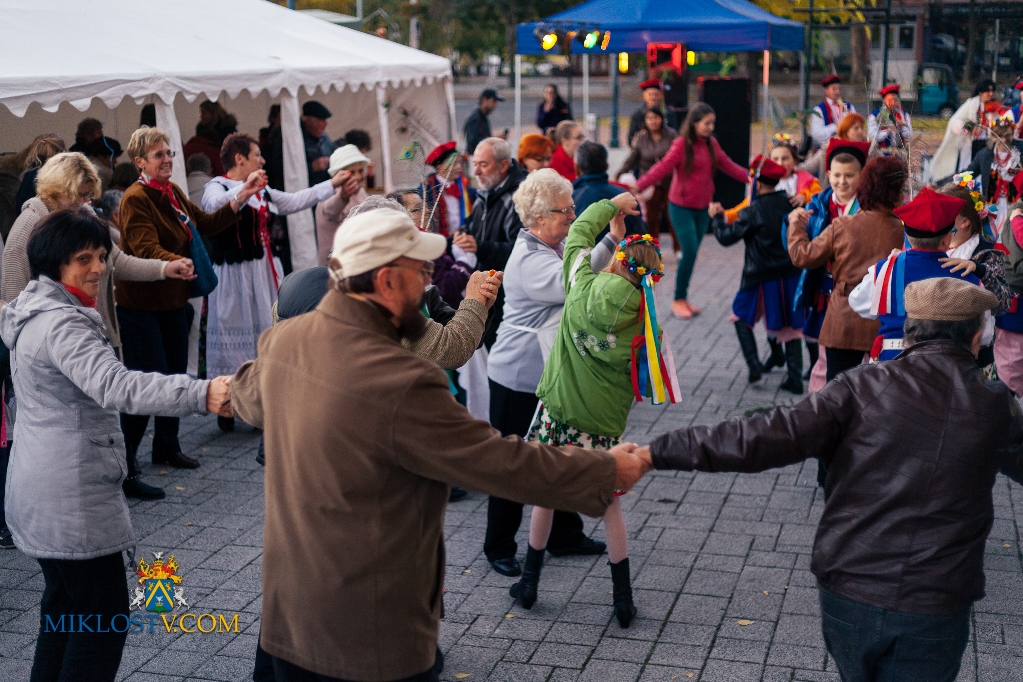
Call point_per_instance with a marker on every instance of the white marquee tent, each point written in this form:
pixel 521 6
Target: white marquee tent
pixel 64 60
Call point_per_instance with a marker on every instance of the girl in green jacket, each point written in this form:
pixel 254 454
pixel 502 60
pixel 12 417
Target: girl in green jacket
pixel 586 390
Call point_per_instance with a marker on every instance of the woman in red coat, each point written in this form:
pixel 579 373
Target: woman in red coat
pixel 567 136
pixel 693 159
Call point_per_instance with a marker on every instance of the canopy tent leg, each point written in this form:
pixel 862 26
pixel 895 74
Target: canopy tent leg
pixel 767 78
pixel 614 105
pixel 301 229
pixel 167 121
pixel 385 138
pixel 518 100
pixel 586 94
pixel 449 93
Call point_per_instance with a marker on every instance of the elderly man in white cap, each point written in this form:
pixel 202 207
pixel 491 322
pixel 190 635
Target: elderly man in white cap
pixel 912 447
pixel 352 192
pixel 364 440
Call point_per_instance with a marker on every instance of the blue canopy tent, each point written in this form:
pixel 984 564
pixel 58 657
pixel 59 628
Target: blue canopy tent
pixel 703 25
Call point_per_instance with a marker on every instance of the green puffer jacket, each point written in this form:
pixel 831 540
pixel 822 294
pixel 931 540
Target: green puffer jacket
pixel 587 382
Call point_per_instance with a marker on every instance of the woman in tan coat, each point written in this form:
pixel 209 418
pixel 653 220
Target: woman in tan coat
pixel 852 244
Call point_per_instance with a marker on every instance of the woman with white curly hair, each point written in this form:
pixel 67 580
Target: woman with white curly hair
pixel 534 296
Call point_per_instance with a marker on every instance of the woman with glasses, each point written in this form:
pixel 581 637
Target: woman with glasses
pixel 248 274
pixel 567 136
pixel 69 181
pixel 155 317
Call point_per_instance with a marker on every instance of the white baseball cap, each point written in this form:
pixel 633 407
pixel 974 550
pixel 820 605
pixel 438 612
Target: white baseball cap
pixel 343 157
pixel 379 237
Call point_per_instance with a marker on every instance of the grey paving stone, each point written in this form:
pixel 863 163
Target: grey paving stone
pixel 517 672
pixel 561 655
pixel 730 671
pixel 598 670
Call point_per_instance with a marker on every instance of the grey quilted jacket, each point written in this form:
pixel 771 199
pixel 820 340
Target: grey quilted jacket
pixel 63 495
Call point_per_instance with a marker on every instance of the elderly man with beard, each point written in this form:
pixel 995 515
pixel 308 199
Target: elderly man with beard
pixel 364 441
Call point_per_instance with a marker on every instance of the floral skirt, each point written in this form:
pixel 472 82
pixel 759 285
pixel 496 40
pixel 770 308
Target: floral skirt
pixel 549 431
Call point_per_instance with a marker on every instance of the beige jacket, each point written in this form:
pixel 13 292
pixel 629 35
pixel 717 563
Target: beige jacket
pixel 329 216
pixel 16 272
pixel 363 439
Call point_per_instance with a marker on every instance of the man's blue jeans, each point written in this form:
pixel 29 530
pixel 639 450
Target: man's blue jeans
pixel 871 644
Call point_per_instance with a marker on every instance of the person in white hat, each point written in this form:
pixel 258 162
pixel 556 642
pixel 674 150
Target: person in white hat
pixel 363 439
pixel 352 192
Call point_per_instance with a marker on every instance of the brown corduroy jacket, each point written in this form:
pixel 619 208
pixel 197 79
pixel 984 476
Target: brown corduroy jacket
pixel 363 439
pixel 851 244
pixel 150 229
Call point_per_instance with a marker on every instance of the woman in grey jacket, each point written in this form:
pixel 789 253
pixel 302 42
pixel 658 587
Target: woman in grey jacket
pixel 64 501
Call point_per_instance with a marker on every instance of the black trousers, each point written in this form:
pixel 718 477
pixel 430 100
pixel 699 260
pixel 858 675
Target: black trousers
pixel 511 413
pixel 841 359
pixel 76 592
pixel 154 342
pixel 289 672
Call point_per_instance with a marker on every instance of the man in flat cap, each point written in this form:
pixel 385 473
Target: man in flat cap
pixel 825 117
pixel 912 447
pixel 928 221
pixel 363 439
pixel 318 145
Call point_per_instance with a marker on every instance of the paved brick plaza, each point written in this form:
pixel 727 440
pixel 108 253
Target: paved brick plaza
pixel 707 551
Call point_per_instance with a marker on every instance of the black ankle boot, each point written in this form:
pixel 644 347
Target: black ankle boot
pixel 525 589
pixel 794 359
pixel 625 610
pixel 777 356
pixel 748 344
pixel 814 351
pixel 134 486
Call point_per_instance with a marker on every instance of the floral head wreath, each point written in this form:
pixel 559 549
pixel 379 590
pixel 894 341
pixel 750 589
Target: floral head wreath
pixel 631 264
pixel 782 139
pixel 1006 119
pixel 968 182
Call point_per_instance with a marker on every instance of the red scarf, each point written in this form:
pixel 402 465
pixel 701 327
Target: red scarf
pixel 86 300
pixel 164 188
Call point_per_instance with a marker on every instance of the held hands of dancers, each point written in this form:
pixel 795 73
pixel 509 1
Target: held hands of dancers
pixel 181 268
pixel 715 208
pixel 630 463
pixel 218 397
pixel 253 184
pixel 800 217
pixel 626 203
pixel 340 178
pixel 465 241
pixel 483 286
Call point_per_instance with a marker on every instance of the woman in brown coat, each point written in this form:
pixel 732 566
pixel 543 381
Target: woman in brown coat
pixel 852 244
pixel 153 316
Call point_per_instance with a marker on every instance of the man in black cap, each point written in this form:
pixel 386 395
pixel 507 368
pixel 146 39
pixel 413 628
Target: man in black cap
pixel 318 145
pixel 477 126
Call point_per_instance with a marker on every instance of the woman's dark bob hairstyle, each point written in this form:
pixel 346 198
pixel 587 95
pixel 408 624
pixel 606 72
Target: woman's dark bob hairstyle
pixel 60 236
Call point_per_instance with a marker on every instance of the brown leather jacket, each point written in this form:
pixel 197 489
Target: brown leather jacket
pixel 912 447
pixel 851 244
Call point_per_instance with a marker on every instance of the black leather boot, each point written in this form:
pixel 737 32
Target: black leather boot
pixel 133 486
pixel 625 610
pixel 813 349
pixel 748 344
pixel 777 356
pixel 525 589
pixel 226 424
pixel 794 359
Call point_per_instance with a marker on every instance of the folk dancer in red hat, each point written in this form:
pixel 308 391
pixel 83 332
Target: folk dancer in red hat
pixel 928 221
pixel 826 116
pixel 890 125
pixel 769 279
pixel 446 193
pixel 998 170
pixel 844 161
pixel 1008 349
pixel 1017 111
pixel 653 98
pixel 967 130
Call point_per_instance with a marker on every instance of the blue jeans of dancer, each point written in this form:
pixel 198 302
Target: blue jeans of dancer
pixel 872 644
pixel 690 225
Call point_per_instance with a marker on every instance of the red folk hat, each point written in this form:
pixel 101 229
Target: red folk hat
pixel 892 89
pixel 766 169
pixel 830 80
pixel 856 149
pixel 649 83
pixel 930 214
pixel 440 152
